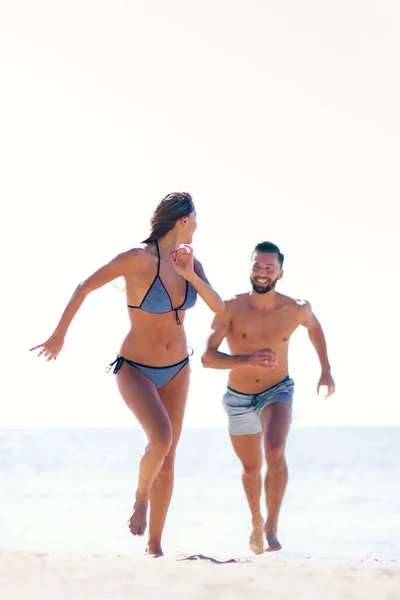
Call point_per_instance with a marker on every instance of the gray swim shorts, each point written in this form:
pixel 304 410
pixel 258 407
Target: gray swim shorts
pixel 244 410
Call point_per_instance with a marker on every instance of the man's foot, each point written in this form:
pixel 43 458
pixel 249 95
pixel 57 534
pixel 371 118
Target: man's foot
pixel 256 540
pixel 137 521
pixel 154 551
pixel 273 543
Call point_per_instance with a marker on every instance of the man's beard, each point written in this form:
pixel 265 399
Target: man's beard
pixel 261 289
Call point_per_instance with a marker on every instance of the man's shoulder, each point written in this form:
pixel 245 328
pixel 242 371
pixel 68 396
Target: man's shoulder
pixel 237 300
pixel 299 304
pixel 234 304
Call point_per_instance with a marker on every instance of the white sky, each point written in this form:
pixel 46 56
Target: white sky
pixel 283 121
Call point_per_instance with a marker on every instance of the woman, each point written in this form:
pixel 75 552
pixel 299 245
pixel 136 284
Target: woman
pixel 152 369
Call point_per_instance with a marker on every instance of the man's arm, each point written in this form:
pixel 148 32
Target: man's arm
pixel 214 359
pixel 317 337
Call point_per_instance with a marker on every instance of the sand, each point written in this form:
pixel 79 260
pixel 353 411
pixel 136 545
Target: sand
pixel 57 576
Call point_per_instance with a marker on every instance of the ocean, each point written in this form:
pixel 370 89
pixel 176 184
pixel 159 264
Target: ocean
pixel 71 490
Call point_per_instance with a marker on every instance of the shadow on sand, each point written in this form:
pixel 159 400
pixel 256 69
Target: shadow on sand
pixel 214 560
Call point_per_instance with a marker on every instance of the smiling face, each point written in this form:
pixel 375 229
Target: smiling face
pixel 265 271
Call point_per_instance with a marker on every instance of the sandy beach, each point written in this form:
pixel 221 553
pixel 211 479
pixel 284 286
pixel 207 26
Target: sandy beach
pixel 82 577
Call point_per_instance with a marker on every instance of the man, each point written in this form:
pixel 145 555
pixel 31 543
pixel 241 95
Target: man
pixel 257 326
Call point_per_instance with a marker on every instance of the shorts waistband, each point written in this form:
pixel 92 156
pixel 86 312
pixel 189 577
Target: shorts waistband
pixel 258 393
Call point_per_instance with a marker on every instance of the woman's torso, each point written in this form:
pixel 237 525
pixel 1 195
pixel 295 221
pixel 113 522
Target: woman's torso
pixel 155 338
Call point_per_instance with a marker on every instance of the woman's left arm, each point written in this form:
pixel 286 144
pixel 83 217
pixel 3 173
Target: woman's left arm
pixel 200 282
pixel 191 269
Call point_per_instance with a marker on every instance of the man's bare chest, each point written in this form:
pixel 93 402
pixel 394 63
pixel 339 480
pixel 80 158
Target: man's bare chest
pixel 259 329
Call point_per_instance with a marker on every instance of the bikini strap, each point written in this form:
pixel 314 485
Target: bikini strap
pixel 117 363
pixel 159 258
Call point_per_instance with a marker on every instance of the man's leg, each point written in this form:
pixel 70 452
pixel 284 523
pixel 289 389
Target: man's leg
pixel 248 450
pixel 276 419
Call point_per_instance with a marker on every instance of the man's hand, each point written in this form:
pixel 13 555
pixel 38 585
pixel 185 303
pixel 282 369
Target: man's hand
pixel 266 358
pixel 326 380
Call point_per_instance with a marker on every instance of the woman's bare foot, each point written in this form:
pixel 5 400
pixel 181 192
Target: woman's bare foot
pixel 137 521
pixel 154 551
pixel 256 540
pixel 273 543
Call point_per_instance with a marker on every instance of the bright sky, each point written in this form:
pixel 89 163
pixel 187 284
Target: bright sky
pixel 282 120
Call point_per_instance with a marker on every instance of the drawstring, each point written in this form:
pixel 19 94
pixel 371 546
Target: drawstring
pixel 178 321
pixel 118 362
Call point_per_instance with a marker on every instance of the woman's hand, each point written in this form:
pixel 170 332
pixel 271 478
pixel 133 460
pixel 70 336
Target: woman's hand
pixel 52 347
pixel 182 259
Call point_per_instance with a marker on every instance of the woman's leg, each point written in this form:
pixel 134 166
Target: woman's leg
pixel 142 398
pixel 173 396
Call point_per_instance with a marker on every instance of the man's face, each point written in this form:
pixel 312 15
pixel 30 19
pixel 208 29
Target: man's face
pixel 265 271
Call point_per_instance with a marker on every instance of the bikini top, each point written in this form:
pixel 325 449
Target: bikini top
pixel 157 300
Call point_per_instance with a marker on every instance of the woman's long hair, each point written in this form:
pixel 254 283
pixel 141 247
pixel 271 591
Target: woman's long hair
pixel 170 209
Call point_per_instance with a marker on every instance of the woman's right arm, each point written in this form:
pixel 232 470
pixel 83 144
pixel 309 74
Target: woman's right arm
pixel 117 267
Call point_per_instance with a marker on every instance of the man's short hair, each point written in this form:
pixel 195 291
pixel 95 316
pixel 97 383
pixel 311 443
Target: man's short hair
pixel 270 247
